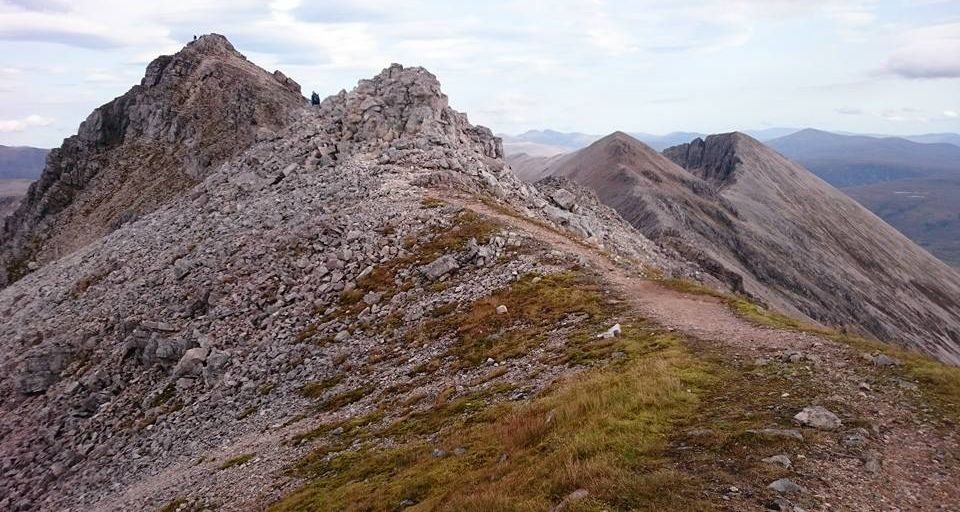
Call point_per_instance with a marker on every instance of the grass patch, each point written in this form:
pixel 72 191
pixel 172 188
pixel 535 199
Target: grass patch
pixel 249 411
pixel 432 202
pixel 306 333
pixel 724 441
pixel 174 505
pixel 350 428
pixel 605 431
pixel 939 382
pixel 237 461
pixel 346 398
pixel 536 305
pixel 319 388
pixel 169 391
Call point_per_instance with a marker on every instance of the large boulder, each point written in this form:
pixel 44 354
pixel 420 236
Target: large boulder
pixel 41 369
pixel 818 417
pixel 191 364
pixel 439 267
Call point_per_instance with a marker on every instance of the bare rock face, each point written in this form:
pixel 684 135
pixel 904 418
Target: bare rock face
pixel 191 112
pixel 402 102
pixel 716 162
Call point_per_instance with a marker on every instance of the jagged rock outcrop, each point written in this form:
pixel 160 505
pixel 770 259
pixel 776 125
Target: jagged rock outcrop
pixel 714 162
pixel 11 193
pixel 770 229
pixel 191 112
pixel 297 261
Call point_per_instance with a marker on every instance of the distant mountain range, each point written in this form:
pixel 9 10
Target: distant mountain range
pixel 853 160
pixel 21 162
pixel 912 182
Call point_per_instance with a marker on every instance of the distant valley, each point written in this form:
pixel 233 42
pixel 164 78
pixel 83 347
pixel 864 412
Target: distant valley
pixel 21 162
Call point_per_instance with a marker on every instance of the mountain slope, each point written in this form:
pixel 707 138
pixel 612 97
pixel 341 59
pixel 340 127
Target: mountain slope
pixel 831 247
pixel 926 210
pixel 912 186
pixel 21 162
pixel 769 228
pixel 191 112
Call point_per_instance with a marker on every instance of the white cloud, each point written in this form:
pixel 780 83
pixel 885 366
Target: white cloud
pixel 950 114
pixel 19 125
pixel 850 111
pixel 928 52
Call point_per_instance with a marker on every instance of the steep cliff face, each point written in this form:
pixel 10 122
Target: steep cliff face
pixel 714 162
pixel 771 229
pixel 192 111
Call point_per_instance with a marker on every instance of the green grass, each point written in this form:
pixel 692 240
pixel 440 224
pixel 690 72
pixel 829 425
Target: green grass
pixel 319 388
pixel 346 398
pixel 432 202
pixel 169 391
pixel 237 461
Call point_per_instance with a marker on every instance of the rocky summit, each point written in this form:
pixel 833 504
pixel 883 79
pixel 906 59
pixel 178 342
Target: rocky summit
pixel 191 112
pixel 221 297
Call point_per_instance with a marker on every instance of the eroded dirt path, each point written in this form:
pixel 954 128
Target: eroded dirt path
pixel 917 451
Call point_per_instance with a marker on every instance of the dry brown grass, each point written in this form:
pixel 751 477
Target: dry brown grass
pixel 536 304
pixel 605 431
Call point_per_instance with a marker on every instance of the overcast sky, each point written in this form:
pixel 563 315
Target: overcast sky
pixel 576 65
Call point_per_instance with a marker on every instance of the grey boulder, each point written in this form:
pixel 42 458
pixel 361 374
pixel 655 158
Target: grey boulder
pixel 818 417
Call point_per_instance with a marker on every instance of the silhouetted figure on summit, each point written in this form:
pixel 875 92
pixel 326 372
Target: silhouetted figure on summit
pixel 314 98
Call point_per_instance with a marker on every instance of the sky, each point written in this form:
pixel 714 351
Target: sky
pixel 593 66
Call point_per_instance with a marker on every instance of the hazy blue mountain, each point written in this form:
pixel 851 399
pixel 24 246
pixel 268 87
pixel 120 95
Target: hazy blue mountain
pixel 765 134
pixel 22 162
pixel 934 138
pixel 913 186
pixel 572 140
pixel 852 160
